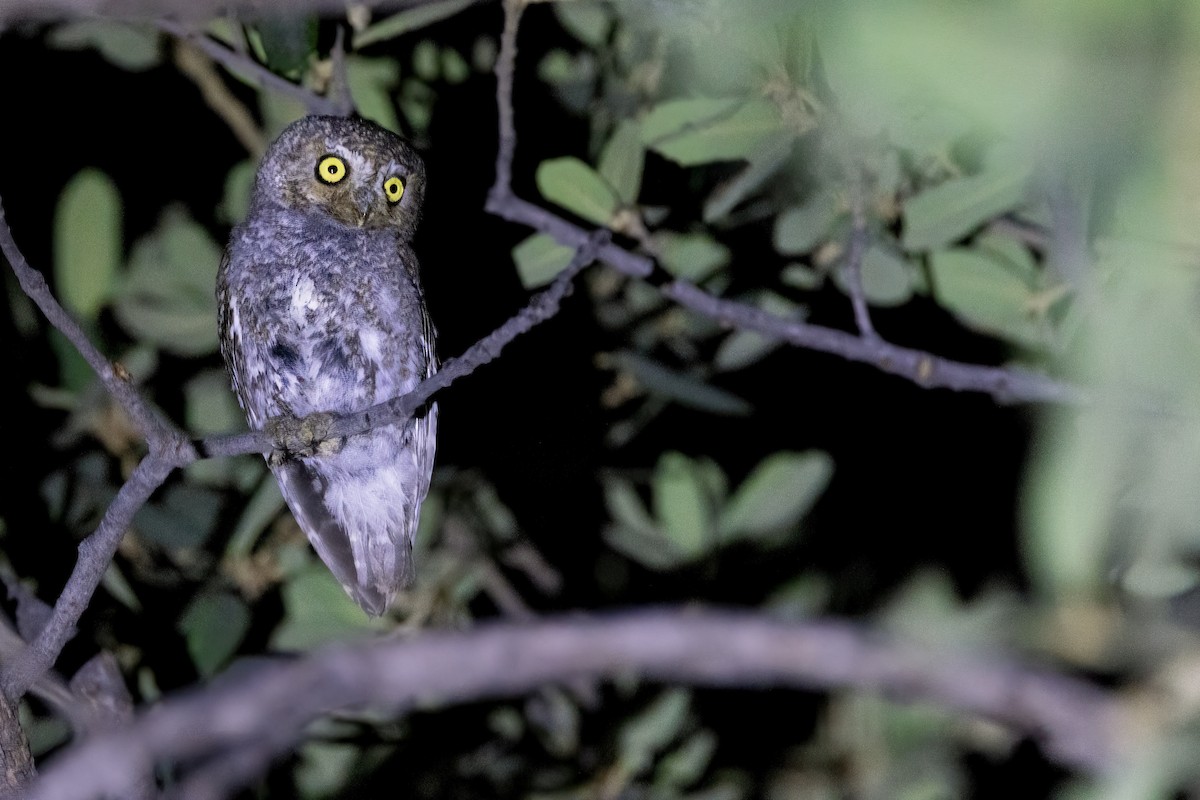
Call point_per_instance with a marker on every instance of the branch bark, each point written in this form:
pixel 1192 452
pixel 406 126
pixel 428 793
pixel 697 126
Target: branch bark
pixel 1077 723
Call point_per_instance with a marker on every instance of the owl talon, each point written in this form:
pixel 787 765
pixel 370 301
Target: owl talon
pixel 301 437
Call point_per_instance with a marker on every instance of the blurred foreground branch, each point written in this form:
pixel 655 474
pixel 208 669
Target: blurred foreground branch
pixel 261 713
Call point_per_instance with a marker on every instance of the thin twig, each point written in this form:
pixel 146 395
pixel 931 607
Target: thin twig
pixel 505 69
pixel 248 67
pixel 1078 724
pixel 199 67
pixel 860 237
pixel 339 80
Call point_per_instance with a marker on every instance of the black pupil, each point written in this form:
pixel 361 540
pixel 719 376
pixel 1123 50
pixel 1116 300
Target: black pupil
pixel 332 168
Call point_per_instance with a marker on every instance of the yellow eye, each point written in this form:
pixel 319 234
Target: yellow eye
pixel 393 187
pixel 331 169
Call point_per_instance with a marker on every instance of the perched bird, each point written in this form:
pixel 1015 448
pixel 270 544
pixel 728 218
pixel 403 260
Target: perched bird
pixel 321 310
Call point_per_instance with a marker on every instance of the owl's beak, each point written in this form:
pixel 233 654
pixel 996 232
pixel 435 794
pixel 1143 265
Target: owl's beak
pixel 364 203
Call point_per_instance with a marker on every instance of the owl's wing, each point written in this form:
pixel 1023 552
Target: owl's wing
pixel 305 492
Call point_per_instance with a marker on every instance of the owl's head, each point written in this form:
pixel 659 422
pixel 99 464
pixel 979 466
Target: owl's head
pixel 353 171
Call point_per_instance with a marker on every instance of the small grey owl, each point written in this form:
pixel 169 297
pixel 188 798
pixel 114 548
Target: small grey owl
pixel 321 310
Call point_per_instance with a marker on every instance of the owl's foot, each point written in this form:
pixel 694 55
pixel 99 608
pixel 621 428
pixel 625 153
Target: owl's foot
pixel 296 438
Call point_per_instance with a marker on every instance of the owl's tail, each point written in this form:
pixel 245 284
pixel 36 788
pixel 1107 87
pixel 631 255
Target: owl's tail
pixel 361 524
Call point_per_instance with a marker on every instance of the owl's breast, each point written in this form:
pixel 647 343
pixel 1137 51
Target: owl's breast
pixel 339 331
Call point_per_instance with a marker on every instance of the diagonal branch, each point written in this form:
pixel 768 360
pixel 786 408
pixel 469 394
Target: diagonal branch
pixel 95 554
pixel 242 64
pixel 1078 724
pixel 540 308
pixel 925 369
pixel 149 420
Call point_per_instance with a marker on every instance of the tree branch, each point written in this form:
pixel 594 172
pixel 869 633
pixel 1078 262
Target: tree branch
pixel 1078 724
pixel 925 369
pixel 244 65
pixel 95 553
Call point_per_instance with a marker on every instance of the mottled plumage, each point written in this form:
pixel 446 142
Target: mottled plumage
pixel 321 309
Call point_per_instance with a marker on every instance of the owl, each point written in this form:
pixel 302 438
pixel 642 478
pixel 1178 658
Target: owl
pixel 321 310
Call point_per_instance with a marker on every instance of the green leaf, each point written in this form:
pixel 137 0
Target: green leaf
pixel 673 117
pixel 987 294
pixel 416 103
pixel 801 228
pixel 887 278
pixel 634 532
pixel 681 505
pixel 131 47
pixel 539 259
pixel 776 495
pixel 741 348
pixel 87 243
pixel 626 507
pixel 764 164
pixel 235 201
pixel 622 159
pixel 455 69
pixel 426 62
pixel 555 719
pixel 1160 578
pixel 1014 253
pixel 576 187
pixel 950 210
pixel 117 585
pixel 684 389
pixel 652 550
pixel 802 276
pixel 326 768
pixel 703 130
pixel 213 625
pixel 803 596
pixel 317 611
pixel 371 82
pixel 74 373
pixel 277 110
pixel 210 407
pixel 166 296
pixel 408 20
pixel 693 256
pixel 181 518
pixel 687 763
pixel 210 404
pixel 573 77
pixel 652 730
pixel 587 21
pixel 262 508
pixel 287 42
